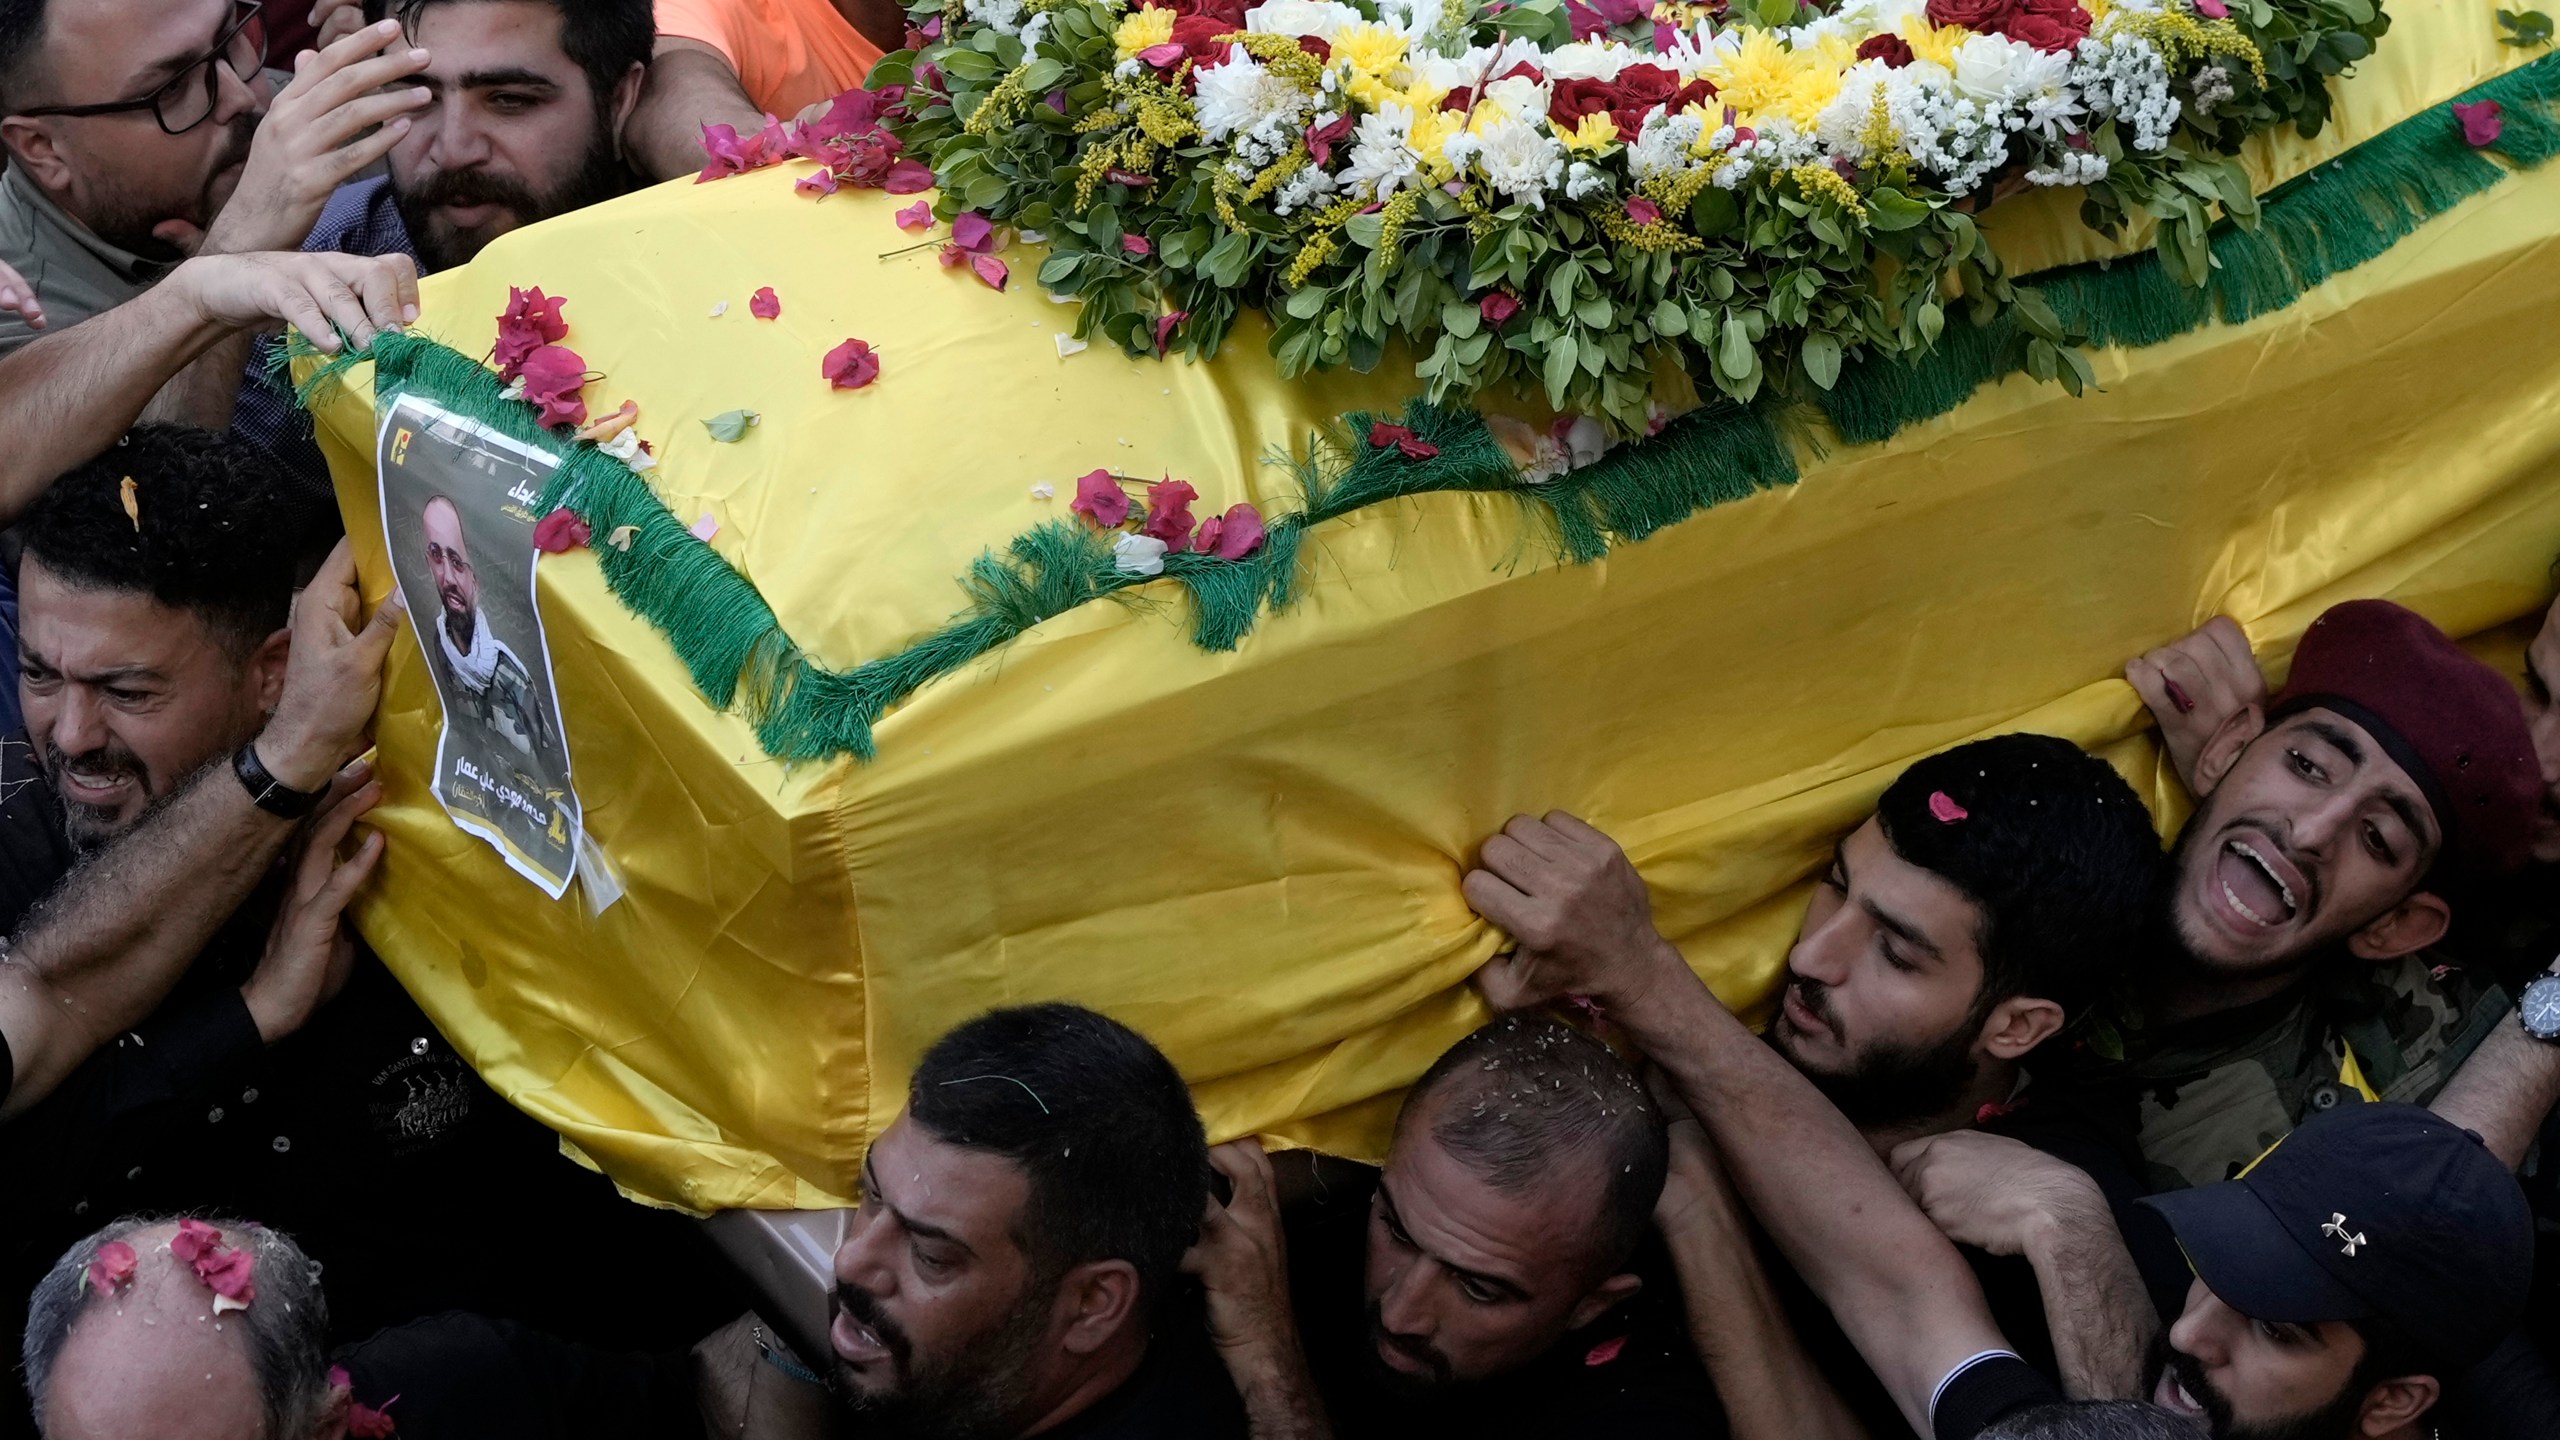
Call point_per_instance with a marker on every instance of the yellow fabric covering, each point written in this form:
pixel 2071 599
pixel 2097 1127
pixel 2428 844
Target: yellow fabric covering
pixel 1254 857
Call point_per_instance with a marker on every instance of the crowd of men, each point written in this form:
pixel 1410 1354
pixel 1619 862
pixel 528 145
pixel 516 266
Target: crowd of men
pixel 2052 1134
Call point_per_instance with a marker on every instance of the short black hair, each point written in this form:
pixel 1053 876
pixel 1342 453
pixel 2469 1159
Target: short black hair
pixel 2092 1420
pixel 604 38
pixel 21 36
pixel 1522 1098
pixel 216 529
pixel 1098 1120
pixel 2054 848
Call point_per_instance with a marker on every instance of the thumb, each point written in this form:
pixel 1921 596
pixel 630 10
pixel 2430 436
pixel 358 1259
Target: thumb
pixel 185 236
pixel 385 622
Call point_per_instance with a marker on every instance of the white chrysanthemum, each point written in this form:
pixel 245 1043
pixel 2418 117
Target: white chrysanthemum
pixel 1996 70
pixel 1002 16
pixel 1383 159
pixel 1589 60
pixel 1520 159
pixel 1416 18
pixel 1238 94
pixel 1663 149
pixel 1842 125
pixel 1863 18
pixel 1692 51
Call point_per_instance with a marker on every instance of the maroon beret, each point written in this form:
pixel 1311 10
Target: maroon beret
pixel 2452 722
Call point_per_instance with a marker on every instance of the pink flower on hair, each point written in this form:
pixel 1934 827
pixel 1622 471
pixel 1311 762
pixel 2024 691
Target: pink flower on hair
pixel 1944 807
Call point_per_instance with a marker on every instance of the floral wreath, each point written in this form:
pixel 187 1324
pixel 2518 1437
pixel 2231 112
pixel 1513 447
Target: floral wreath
pixel 1560 195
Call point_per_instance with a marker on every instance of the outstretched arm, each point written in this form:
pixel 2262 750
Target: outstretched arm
pixel 1768 1384
pixel 67 396
pixel 690 85
pixel 1579 911
pixel 2505 1090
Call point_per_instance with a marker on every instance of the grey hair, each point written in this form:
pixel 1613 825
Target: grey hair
pixel 287 1325
pixel 2092 1420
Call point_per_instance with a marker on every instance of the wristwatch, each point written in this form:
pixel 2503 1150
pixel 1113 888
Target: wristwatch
pixel 2538 1008
pixel 266 791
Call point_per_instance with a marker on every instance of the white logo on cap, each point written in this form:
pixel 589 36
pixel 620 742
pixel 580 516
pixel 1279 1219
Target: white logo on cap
pixel 2336 1229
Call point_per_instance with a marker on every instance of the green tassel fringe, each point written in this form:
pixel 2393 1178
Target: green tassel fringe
pixel 2313 227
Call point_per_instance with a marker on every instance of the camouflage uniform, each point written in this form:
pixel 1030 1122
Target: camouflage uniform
pixel 2212 1094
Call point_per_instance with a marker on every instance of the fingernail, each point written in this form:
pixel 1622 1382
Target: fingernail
pixel 417 52
pixel 408 312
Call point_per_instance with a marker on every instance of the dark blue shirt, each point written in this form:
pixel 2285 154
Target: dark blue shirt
pixel 361 219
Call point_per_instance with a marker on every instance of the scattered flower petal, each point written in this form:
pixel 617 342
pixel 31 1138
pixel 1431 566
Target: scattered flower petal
pixel 719 308
pixel 604 428
pixel 125 489
pixel 530 321
pixel 851 365
pixel 2482 122
pixel 1382 434
pixel 1643 211
pixel 1100 499
pixel 1231 536
pixel 1169 513
pixel 112 1266
pixel 1165 325
pixel 705 528
pixel 622 537
pixel 764 304
pixel 1138 555
pixel 990 269
pixel 1069 345
pixel 972 231
pixel 818 184
pixel 367 1423
pixel 561 531
pixel 631 450
pixel 1044 491
pixel 553 376
pixel 1606 1351
pixel 918 216
pixel 1945 809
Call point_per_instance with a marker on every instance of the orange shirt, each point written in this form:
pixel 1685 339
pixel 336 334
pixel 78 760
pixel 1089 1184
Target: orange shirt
pixel 789 54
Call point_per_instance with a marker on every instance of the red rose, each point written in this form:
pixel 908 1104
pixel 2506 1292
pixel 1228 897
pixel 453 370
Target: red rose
pixel 1988 15
pixel 1198 37
pixel 2049 24
pixel 1893 50
pixel 1570 100
pixel 1229 13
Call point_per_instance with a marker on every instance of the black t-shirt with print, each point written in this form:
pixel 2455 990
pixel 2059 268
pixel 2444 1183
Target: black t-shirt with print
pixel 1633 1374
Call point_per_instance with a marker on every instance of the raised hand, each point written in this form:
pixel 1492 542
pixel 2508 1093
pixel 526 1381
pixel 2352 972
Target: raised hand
pixel 1577 908
pixel 2193 685
pixel 324 128
pixel 318 294
pixel 309 950
pixel 332 676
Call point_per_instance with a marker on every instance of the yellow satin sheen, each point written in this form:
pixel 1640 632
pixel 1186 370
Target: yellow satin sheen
pixel 1254 857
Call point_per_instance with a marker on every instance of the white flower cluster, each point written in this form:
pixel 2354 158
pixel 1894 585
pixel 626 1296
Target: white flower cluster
pixel 1002 16
pixel 2123 77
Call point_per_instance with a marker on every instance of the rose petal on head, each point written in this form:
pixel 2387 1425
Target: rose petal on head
pixel 764 304
pixel 1944 808
pixel 193 1239
pixel 112 1266
pixel 1100 499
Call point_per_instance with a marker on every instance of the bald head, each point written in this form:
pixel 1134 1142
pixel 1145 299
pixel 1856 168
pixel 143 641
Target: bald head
pixel 150 1355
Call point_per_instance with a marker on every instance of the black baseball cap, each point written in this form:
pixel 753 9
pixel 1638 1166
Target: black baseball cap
pixel 2379 1212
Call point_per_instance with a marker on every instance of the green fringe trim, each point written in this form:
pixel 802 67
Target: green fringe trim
pixel 2317 225
pixel 739 656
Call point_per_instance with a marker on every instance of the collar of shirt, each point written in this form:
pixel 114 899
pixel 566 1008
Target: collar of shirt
pixel 52 236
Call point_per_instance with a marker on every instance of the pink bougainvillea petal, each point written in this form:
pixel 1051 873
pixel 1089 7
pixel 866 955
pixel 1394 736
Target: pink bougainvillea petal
pixel 1383 433
pixel 1162 56
pixel 1100 499
pixel 764 304
pixel 112 1266
pixel 906 177
pixel 1643 211
pixel 193 1239
pixel 530 321
pixel 553 376
pixel 1137 245
pixel 560 532
pixel 1943 806
pixel 991 270
pixel 1238 533
pixel 851 365
pixel 1498 308
pixel 1605 1351
pixel 2213 9
pixel 972 231
pixel 1169 513
pixel 918 216
pixel 2482 122
pixel 367 1423
pixel 1165 325
pixel 818 184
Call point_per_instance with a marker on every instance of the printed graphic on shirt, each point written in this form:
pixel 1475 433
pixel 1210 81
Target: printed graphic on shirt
pixel 457 514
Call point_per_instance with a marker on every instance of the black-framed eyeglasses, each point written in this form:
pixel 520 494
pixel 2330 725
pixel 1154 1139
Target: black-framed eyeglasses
pixel 188 99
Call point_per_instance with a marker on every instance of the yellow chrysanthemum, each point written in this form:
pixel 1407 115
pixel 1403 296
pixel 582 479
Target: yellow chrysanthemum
pixel 1764 77
pixel 1142 29
pixel 1431 133
pixel 1935 42
pixel 1369 49
pixel 1592 133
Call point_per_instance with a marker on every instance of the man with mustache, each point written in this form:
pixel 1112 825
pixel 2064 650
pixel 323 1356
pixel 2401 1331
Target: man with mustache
pixel 2337 827
pixel 1015 1266
pixel 1487 1281
pixel 136 135
pixel 521 117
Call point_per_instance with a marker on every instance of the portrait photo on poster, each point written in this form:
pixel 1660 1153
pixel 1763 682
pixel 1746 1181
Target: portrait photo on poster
pixel 457 516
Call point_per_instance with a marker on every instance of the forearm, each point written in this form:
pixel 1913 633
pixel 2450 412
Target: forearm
pixel 204 393
pixel 2504 1091
pixel 67 396
pixel 108 960
pixel 1766 1381
pixel 2095 1303
pixel 1898 1287
pixel 690 85
pixel 1279 1393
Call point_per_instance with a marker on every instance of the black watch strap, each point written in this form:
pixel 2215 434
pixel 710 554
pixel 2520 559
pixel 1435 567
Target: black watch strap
pixel 266 791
